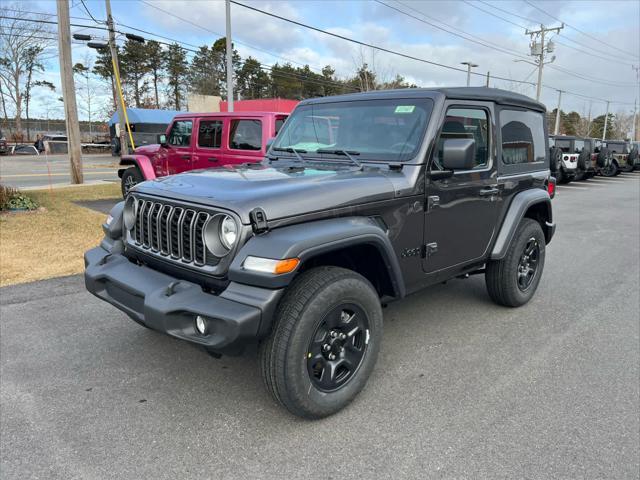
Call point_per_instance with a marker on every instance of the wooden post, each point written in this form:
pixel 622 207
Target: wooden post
pixel 69 91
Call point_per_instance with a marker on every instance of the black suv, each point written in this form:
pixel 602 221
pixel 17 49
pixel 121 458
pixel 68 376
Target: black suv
pixel 361 200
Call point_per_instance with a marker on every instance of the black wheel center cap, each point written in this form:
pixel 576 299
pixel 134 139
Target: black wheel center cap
pixel 336 346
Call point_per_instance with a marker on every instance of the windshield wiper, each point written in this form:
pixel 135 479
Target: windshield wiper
pixel 296 151
pixel 347 153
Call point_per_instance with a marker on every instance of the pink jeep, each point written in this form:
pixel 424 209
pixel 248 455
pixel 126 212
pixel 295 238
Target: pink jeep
pixel 225 138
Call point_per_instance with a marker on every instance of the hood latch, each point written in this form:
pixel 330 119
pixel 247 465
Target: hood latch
pixel 258 221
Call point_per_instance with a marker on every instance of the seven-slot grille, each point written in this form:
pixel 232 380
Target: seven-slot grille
pixel 172 231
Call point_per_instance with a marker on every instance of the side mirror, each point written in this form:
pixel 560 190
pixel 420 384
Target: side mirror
pixel 459 154
pixel 162 140
pixel 269 143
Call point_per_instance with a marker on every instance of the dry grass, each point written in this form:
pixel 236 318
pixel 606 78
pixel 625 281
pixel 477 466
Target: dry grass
pixel 51 242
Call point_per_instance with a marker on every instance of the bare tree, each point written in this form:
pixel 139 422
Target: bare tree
pixel 87 89
pixel 21 45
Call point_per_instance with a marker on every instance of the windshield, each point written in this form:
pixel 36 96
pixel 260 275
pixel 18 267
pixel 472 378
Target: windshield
pixel 386 130
pixel 564 145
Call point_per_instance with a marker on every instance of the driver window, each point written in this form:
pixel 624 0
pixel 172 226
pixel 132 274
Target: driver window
pixel 466 123
pixel 180 135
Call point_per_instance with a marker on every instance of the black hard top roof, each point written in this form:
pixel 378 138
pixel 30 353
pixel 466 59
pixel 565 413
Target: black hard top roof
pixel 496 95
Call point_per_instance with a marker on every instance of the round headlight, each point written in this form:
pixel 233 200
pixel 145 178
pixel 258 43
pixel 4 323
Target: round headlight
pixel 129 213
pixel 228 232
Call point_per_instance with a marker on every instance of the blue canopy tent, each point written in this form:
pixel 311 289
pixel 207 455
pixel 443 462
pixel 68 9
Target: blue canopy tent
pixel 146 124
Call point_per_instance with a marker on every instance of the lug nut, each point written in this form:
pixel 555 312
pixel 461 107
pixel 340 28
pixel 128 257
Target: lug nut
pixel 342 336
pixel 332 356
pixel 333 334
pixel 326 347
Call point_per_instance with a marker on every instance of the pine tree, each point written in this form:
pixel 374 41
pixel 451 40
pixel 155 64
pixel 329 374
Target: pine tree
pixel 176 67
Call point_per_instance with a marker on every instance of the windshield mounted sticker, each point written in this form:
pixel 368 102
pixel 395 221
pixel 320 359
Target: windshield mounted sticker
pixel 405 109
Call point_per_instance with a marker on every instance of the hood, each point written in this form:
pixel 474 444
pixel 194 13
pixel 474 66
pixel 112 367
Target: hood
pixel 147 149
pixel 280 192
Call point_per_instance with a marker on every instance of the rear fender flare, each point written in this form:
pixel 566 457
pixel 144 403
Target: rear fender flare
pixel 308 240
pixel 142 162
pixel 517 210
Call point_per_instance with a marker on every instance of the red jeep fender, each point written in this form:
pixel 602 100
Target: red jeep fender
pixel 142 162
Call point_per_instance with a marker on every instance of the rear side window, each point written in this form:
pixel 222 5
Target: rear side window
pixel 210 134
pixel 245 135
pixel 180 135
pixel 523 137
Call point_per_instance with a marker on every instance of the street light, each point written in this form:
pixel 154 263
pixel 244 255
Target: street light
pixel 469 65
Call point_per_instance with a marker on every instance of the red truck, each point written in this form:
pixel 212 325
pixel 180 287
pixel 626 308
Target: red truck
pixel 224 138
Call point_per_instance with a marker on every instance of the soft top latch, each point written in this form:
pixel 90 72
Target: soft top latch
pixel 258 221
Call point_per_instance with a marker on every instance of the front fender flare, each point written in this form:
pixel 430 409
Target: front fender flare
pixel 142 162
pixel 517 210
pixel 307 240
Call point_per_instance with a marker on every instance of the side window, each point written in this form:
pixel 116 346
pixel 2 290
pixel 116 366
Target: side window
pixel 523 137
pixel 467 123
pixel 180 135
pixel 210 134
pixel 245 135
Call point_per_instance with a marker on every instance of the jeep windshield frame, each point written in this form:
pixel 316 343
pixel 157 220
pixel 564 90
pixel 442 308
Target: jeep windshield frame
pixel 388 130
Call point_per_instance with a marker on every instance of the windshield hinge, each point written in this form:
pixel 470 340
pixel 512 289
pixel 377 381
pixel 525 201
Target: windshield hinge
pixel 258 221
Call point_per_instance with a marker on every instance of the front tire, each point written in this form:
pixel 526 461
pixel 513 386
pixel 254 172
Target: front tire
pixel 513 280
pixel 324 343
pixel 130 178
pixel 610 170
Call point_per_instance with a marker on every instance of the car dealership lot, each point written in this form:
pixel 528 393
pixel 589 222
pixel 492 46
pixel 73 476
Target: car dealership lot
pixel 462 389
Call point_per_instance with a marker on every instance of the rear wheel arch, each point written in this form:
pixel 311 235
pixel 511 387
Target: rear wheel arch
pixel 541 213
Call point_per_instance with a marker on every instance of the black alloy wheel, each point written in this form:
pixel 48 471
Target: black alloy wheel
pixel 528 265
pixel 338 347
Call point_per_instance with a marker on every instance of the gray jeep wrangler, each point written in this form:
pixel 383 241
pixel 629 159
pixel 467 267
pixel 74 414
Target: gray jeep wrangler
pixel 362 200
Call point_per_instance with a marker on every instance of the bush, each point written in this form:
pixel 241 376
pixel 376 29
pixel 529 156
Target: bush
pixel 12 199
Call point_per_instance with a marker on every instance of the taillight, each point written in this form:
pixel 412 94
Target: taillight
pixel 551 186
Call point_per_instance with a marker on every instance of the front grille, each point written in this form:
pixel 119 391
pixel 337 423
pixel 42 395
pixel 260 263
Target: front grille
pixel 172 231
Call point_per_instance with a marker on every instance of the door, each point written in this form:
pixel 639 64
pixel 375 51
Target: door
pixel 179 146
pixel 244 141
pixel 207 152
pixel 461 211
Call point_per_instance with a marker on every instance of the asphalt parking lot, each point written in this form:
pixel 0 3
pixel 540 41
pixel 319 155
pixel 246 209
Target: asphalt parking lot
pixel 462 389
pixel 36 171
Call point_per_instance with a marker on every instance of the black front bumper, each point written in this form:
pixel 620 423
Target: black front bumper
pixel 237 316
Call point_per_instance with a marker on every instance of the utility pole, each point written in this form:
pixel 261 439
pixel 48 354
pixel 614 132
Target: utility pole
pixel 124 149
pixel 589 119
pixel 488 78
pixel 606 120
pixel 540 49
pixel 229 58
pixel 69 91
pixel 469 65
pixel 557 129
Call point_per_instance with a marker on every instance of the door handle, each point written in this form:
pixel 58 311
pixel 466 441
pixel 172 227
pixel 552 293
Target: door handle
pixel 186 157
pixel 489 191
pixel 212 159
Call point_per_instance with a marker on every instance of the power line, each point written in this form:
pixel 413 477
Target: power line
pixel 221 35
pixel 84 5
pixel 533 21
pixel 634 55
pixel 369 45
pixel 490 45
pixel 608 57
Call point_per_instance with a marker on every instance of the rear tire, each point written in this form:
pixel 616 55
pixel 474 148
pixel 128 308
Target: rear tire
pixel 130 178
pixel 610 170
pixel 320 307
pixel 513 280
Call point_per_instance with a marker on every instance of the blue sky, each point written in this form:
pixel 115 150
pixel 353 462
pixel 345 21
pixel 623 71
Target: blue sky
pixel 615 23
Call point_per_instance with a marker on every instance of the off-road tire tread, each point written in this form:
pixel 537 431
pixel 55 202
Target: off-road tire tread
pixel 273 349
pixel 498 276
